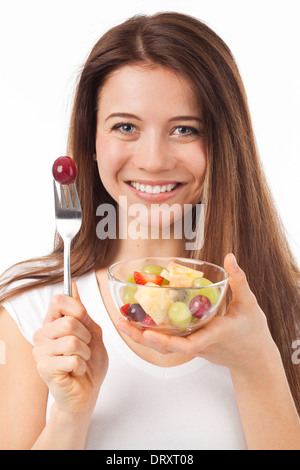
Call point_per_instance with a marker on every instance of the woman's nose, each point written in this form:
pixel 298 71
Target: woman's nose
pixel 154 154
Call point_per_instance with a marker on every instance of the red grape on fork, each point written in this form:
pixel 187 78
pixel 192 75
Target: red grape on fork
pixel 67 213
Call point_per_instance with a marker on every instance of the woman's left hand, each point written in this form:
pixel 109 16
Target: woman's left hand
pixel 239 340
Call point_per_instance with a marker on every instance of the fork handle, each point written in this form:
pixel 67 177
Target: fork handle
pixel 67 268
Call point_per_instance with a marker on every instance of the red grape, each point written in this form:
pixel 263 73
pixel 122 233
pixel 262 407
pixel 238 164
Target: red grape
pixel 199 306
pixel 136 313
pixel 64 170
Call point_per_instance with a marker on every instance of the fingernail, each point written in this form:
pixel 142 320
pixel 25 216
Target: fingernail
pixel 123 329
pixel 234 262
pixel 86 321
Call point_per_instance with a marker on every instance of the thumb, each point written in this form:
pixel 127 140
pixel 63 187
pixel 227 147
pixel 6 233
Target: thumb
pixel 76 296
pixel 237 279
pixel 92 326
pixel 75 293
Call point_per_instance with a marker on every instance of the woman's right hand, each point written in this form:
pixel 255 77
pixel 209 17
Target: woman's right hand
pixel 70 355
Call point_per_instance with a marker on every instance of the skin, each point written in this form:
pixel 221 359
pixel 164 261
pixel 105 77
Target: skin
pixel 69 356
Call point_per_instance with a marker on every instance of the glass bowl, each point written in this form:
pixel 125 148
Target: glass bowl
pixel 175 296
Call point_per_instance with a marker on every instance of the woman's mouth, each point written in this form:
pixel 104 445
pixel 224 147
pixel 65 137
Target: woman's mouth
pixel 155 191
pixel 147 188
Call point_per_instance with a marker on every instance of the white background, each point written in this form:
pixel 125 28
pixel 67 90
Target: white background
pixel 42 47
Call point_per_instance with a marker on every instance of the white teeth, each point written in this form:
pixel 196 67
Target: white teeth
pixel 153 189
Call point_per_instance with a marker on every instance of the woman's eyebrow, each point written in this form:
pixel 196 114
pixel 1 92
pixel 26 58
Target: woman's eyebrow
pixel 134 116
pixel 186 118
pixel 123 115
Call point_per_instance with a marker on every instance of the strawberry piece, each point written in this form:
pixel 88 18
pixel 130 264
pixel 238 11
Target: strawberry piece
pixel 124 309
pixel 143 278
pixel 148 321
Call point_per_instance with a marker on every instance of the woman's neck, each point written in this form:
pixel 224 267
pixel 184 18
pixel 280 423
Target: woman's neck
pixel 128 249
pixel 138 240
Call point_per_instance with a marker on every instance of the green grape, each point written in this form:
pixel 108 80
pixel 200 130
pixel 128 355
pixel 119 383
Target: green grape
pixel 212 293
pixel 152 269
pixel 180 315
pixel 156 270
pixel 128 296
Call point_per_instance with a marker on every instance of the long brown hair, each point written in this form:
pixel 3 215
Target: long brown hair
pixel 240 213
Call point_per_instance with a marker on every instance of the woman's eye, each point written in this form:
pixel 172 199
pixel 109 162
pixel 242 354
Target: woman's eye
pixel 124 128
pixel 185 131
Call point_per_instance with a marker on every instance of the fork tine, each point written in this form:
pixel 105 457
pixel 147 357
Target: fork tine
pixel 70 202
pixel 56 198
pixel 76 198
pixel 63 199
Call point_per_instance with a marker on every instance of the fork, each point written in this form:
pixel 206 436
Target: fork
pixel 68 218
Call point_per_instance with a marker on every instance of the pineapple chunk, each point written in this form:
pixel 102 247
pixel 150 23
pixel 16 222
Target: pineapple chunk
pixel 155 301
pixel 182 276
pixel 165 274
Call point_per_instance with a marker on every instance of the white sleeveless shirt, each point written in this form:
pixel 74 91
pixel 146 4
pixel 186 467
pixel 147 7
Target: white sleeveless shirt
pixel 142 406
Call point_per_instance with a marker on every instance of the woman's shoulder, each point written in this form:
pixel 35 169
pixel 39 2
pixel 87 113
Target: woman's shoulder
pixel 28 309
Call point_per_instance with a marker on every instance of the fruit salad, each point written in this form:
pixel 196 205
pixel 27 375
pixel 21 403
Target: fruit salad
pixel 168 296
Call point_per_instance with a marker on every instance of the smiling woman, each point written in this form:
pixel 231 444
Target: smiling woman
pixel 160 116
pixel 159 153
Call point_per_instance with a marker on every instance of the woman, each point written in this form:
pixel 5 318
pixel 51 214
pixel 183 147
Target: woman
pixel 160 101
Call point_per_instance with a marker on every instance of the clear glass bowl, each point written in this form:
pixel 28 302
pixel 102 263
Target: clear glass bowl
pixel 174 296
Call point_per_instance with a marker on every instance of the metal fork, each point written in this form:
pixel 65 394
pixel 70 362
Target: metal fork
pixel 68 222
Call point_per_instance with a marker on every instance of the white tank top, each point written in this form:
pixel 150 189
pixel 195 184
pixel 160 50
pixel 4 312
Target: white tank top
pixel 142 406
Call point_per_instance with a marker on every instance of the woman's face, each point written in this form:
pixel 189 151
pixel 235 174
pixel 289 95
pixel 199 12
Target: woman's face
pixel 149 142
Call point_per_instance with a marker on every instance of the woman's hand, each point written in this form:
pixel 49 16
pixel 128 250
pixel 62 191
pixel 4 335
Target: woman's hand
pixel 240 340
pixel 70 354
